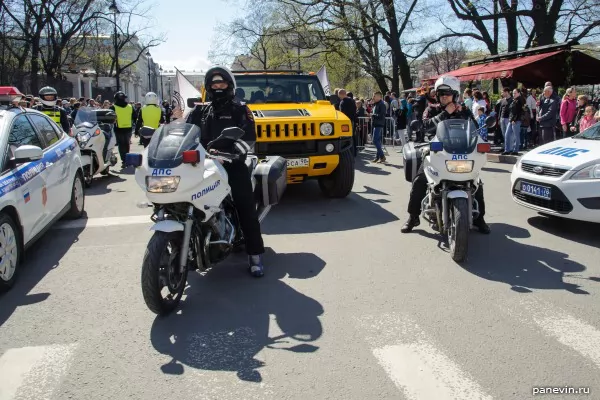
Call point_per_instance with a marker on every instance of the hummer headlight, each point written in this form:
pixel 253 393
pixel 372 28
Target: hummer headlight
pixel 326 129
pixel 459 166
pixel 162 184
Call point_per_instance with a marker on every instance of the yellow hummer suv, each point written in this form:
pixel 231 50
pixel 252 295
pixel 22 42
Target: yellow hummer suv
pixel 295 120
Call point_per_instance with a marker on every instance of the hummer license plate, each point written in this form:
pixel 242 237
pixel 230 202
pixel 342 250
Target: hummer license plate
pixel 298 162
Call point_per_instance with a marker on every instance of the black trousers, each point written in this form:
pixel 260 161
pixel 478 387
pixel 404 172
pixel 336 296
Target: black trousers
pixel 123 138
pixel 419 190
pixel 243 197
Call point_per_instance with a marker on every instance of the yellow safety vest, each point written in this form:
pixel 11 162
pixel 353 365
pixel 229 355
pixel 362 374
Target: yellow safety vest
pixel 124 116
pixel 54 114
pixel 151 116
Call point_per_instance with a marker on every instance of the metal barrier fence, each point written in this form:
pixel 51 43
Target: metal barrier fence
pixel 364 134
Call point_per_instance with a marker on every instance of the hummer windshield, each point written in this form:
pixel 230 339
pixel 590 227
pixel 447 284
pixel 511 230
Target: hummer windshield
pixel 274 88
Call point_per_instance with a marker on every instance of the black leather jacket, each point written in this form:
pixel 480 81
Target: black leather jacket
pixel 434 114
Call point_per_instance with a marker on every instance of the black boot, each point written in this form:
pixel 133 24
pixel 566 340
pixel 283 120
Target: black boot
pixel 482 226
pixel 412 221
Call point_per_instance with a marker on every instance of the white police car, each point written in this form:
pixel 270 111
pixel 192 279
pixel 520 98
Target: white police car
pixel 562 178
pixel 41 181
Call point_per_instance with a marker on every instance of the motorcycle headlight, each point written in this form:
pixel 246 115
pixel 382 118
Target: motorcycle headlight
pixel 162 184
pixel 326 129
pixel 591 172
pixel 459 166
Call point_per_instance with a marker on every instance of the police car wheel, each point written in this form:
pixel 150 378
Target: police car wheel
pixel 10 252
pixel 77 198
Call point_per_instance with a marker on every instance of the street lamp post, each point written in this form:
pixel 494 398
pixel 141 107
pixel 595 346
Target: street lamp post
pixel 169 83
pixel 149 83
pixel 115 11
pixel 162 88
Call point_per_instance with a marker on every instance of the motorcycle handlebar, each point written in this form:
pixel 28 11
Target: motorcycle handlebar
pixel 219 155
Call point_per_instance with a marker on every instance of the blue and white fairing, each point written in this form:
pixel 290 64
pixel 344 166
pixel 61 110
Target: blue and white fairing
pixel 167 179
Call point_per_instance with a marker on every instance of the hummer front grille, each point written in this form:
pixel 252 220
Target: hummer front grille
pixel 284 131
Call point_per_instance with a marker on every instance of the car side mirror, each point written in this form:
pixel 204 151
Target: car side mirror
pixel 416 125
pixel 28 153
pixel 490 121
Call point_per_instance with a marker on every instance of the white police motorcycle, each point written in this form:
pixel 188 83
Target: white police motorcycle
pixel 453 162
pixel 90 129
pixel 196 221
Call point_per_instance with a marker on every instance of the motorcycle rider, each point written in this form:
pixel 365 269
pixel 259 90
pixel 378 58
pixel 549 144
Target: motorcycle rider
pixel 125 120
pixel 447 88
pixel 225 111
pixel 48 97
pixel 150 115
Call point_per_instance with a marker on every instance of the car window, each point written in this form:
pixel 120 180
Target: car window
pixel 44 126
pixel 23 133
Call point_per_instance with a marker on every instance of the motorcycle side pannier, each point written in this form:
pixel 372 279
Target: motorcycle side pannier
pixel 271 180
pixel 412 161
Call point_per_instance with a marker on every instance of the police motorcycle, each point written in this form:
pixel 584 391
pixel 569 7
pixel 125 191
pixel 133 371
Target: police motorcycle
pixel 196 224
pixel 89 129
pixel 453 162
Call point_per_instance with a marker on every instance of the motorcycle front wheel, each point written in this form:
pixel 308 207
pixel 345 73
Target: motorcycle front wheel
pixel 458 231
pixel 162 281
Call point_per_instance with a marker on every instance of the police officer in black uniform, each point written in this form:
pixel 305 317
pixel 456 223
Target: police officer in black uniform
pixel 48 98
pixel 225 111
pixel 447 88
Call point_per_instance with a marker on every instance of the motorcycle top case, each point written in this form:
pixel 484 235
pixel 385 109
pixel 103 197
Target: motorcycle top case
pixel 146 132
pixel 412 161
pixel 106 116
pixel 271 179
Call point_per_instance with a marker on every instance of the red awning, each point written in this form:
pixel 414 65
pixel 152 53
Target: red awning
pixel 494 70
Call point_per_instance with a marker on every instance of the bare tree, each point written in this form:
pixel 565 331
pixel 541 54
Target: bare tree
pixel 446 56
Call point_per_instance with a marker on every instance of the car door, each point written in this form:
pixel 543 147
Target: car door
pixel 57 187
pixel 30 178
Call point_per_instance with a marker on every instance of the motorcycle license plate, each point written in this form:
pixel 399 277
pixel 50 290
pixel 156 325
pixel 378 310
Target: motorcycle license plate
pixel 542 192
pixel 298 162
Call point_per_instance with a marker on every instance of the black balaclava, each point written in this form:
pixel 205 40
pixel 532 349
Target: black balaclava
pixel 219 97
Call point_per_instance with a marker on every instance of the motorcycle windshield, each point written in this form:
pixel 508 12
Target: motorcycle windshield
pixel 169 141
pixel 86 116
pixel 458 136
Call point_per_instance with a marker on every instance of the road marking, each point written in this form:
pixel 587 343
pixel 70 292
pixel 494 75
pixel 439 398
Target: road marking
pixel 414 364
pixel 34 372
pixel 568 330
pixel 103 222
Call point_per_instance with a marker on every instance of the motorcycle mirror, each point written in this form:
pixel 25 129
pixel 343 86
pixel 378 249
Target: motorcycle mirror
pixel 233 133
pixel 191 102
pixel 490 122
pixel 416 125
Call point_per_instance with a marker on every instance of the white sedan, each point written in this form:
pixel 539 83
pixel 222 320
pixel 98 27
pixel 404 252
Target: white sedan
pixel 561 178
pixel 41 181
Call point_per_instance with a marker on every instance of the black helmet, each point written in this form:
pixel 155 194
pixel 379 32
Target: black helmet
pixel 120 99
pixel 219 74
pixel 46 92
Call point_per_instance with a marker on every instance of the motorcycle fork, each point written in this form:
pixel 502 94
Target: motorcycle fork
pixel 187 234
pixel 445 212
pixel 470 203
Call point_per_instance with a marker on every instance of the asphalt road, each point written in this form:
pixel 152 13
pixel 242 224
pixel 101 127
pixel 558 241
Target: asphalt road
pixel 350 308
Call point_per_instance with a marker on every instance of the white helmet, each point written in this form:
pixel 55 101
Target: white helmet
pixel 151 98
pixel 447 82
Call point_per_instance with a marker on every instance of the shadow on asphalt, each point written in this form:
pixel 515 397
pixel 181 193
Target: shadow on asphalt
pixel 304 209
pixel 499 257
pixel 40 259
pixel 224 321
pixel 576 231
pixel 100 184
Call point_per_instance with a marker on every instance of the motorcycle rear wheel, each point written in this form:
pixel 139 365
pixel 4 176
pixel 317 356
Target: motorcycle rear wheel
pixel 458 231
pixel 160 270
